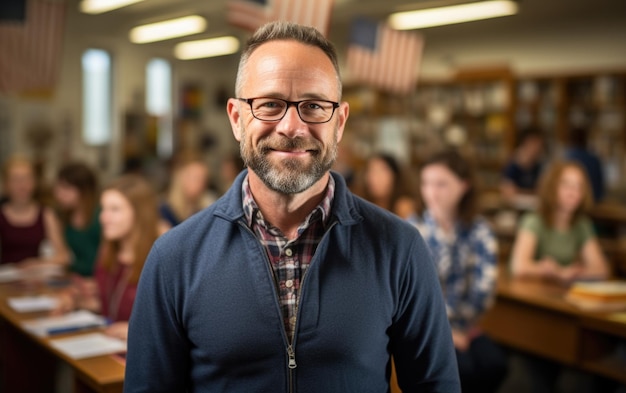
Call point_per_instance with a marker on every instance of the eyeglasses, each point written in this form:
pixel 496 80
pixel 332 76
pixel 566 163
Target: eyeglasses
pixel 274 109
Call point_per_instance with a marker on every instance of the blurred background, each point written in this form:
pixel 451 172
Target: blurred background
pixel 78 88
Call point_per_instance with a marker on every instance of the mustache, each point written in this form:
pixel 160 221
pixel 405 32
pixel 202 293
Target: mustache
pixel 287 144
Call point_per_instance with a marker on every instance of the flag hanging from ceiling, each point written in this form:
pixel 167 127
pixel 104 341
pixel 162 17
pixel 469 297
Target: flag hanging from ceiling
pixel 382 57
pixel 30 46
pixel 251 14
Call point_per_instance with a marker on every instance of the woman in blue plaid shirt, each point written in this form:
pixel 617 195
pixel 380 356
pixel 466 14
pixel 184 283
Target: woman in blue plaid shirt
pixel 465 251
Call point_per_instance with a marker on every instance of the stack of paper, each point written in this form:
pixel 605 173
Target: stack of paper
pixel 601 295
pixel 33 303
pixel 88 345
pixel 71 322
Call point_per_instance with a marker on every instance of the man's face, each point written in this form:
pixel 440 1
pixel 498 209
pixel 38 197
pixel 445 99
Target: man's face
pixel 289 155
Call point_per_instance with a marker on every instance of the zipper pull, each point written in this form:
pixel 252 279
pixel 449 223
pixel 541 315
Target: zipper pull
pixel 292 357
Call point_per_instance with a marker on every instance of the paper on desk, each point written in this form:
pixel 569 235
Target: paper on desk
pixel 33 303
pixel 9 273
pixel 73 321
pixel 88 345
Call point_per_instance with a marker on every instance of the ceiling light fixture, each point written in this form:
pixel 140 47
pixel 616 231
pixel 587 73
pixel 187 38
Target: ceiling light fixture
pixel 440 16
pixel 206 48
pixel 168 29
pixel 100 6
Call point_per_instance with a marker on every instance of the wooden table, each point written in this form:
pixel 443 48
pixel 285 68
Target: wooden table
pixel 25 356
pixel 534 317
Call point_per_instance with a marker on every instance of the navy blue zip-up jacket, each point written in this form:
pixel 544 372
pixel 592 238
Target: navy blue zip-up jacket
pixel 207 319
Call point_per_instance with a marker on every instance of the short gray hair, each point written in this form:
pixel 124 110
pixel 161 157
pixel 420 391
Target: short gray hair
pixel 281 30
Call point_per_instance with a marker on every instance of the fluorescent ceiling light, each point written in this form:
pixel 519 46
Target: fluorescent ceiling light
pixel 100 6
pixel 452 14
pixel 168 29
pixel 206 48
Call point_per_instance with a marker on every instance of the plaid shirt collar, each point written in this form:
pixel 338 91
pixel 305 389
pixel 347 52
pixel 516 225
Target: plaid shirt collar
pixel 322 210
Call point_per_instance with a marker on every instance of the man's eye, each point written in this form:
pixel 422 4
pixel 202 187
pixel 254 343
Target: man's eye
pixel 312 105
pixel 271 104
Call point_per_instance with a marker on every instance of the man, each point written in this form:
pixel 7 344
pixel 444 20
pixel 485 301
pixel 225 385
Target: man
pixel 579 151
pixel 289 283
pixel 521 173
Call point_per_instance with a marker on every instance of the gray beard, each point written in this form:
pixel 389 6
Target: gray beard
pixel 290 176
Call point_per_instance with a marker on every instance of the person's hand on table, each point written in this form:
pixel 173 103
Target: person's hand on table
pixel 65 302
pixel 549 268
pixel 570 273
pixel 118 330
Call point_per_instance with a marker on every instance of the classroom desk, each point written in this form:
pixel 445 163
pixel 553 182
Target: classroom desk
pixel 102 374
pixel 534 317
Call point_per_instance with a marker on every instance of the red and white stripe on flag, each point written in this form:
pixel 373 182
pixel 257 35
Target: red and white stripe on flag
pixel 31 49
pixel 247 14
pixel 252 14
pixel 390 61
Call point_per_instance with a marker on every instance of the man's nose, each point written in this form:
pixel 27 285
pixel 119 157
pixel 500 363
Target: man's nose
pixel 291 125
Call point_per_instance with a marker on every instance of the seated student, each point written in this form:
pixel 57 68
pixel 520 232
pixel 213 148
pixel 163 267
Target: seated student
pixel 522 172
pixel 558 241
pixel 187 193
pixel 384 185
pixel 76 194
pixel 30 233
pixel 465 252
pixel 579 151
pixel 129 220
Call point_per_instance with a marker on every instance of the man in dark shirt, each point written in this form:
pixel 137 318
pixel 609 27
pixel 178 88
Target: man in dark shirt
pixel 289 283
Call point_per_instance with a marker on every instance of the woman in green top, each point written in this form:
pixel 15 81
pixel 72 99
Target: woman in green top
pixel 558 241
pixel 76 193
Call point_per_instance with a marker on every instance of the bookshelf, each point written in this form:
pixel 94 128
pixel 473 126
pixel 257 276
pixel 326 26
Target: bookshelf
pixel 595 101
pixel 481 111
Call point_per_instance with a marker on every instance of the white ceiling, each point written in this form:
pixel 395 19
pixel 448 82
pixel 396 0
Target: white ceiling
pixel 544 35
pixel 532 13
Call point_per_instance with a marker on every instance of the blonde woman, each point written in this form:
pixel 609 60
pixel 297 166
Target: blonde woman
pixel 187 193
pixel 30 233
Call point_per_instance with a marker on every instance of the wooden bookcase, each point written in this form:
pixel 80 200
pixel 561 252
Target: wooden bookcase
pixel 482 110
pixel 474 111
pixel 595 101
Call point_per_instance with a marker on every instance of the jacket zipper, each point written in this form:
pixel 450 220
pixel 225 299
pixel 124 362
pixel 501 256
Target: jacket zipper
pixel 291 353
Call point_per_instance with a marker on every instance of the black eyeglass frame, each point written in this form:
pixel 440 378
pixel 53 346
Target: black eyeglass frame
pixel 291 103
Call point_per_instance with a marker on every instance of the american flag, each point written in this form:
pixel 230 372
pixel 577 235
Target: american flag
pixel 382 57
pixel 251 14
pixel 30 45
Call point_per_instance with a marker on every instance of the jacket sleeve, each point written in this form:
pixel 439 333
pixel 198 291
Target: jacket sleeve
pixel 158 352
pixel 421 342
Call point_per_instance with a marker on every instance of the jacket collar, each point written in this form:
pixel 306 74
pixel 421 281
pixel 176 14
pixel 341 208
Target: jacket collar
pixel 230 206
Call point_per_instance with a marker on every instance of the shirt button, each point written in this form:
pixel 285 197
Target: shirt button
pixel 292 321
pixel 288 252
pixel 289 283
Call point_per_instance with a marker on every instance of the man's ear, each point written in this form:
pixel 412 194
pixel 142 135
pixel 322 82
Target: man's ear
pixel 343 112
pixel 234 116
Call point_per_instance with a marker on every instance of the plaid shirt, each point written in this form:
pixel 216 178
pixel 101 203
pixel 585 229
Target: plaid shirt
pixel 467 265
pixel 289 258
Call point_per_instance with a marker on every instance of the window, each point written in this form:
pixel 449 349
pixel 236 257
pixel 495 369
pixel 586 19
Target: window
pixel 159 102
pixel 97 114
